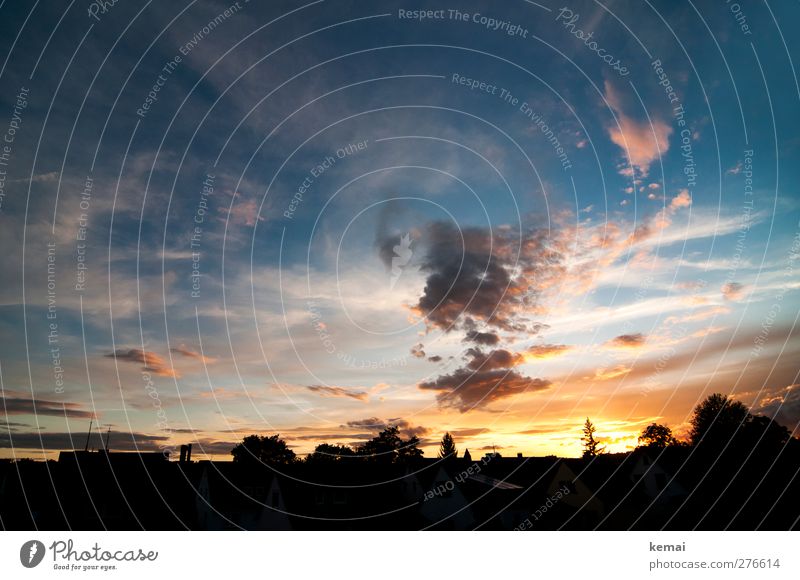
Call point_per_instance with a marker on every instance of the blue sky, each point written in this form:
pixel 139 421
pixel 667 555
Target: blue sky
pixel 430 223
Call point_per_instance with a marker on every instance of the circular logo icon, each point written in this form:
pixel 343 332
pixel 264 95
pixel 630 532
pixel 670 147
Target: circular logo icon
pixel 31 553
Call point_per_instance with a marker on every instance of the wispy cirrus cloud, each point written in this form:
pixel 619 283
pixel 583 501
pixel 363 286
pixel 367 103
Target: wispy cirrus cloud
pixel 328 391
pixel 732 291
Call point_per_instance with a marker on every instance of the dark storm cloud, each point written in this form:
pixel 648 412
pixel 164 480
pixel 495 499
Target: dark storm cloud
pixel 463 277
pixel 482 338
pixel 495 359
pixel 465 389
pixel 483 276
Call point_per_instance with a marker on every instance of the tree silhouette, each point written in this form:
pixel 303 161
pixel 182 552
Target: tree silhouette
pixel 388 447
pixel 447 449
pixel 657 436
pixel 255 449
pixel 766 433
pixel 716 420
pixel 409 451
pixel 327 453
pixel 591 446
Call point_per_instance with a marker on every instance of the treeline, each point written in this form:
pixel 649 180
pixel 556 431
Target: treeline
pixel 718 424
pixel 387 447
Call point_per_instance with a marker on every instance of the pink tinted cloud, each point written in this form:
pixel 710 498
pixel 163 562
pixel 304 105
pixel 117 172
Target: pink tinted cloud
pixel 643 141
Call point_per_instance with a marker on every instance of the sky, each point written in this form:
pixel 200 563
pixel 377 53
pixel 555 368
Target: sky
pixel 319 219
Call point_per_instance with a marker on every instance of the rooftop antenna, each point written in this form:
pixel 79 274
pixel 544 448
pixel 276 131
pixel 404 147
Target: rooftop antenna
pixel 108 434
pixel 86 448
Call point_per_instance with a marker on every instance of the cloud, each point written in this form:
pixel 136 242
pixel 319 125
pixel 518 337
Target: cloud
pixel 732 291
pixel 152 362
pixel 683 199
pixel 465 389
pixel 705 314
pixel 11 425
pixel 605 374
pixel 483 338
pixel 541 431
pixel 485 277
pixel 213 447
pixel 188 353
pixel 370 423
pixel 417 351
pixel 505 359
pixel 327 391
pixel 416 431
pixel 464 277
pixel 69 441
pixel 495 359
pixel 375 424
pixel 784 406
pixel 19 405
pixel 627 341
pixel 221 393
pixel 642 142
pixel 708 331
pixel 541 351
pixel 736 169
pixel 435 358
pixel 48 177
pixel 470 432
pixel 242 212
pixel 328 437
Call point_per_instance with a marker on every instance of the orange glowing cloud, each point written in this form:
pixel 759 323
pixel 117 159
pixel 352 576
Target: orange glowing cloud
pixel 189 353
pixel 643 141
pixel 605 374
pixel 152 362
pixel 627 341
pixel 545 351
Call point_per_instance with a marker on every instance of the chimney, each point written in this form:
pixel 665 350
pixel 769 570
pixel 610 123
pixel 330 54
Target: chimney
pixel 183 454
pixel 189 453
pixel 519 455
